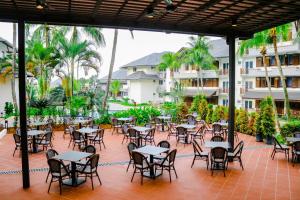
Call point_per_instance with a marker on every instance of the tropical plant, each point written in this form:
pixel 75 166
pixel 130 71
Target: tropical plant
pixel 251 124
pixel 169 60
pixel 267 121
pixel 219 113
pixel 115 87
pixel 242 121
pixel 176 92
pixel 40 104
pixel 8 109
pixel 182 110
pixel 198 56
pixel 195 104
pixel 111 66
pixel 203 108
pixel 210 110
pixel 289 128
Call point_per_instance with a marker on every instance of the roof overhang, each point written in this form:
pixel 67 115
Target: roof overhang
pixel 277 95
pixel 212 17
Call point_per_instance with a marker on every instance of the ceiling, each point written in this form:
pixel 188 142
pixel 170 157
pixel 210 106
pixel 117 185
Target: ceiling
pixel 208 17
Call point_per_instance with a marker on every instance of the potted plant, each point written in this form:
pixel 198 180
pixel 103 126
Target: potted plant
pixel 259 134
pixel 104 121
pixel 268 123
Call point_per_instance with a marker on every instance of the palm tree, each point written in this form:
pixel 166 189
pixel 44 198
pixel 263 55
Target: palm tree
pixel 111 66
pixel 198 56
pixel 169 60
pixel 277 34
pixel 14 61
pixel 115 87
pixel 260 41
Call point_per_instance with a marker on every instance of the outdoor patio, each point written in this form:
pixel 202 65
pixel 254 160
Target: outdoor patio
pixel 262 178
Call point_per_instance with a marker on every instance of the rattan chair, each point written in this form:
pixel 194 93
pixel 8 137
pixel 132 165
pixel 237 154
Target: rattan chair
pixel 133 135
pixel 131 146
pixel 236 155
pixel 181 135
pixel 295 152
pixel 98 138
pixel 172 131
pixel 218 159
pixel 149 138
pixel 280 148
pixel 125 128
pixel 50 154
pixel 46 140
pixel 199 154
pixel 217 138
pixel 141 165
pixel 199 134
pixel 116 126
pixel 78 139
pixel 163 144
pixel 168 163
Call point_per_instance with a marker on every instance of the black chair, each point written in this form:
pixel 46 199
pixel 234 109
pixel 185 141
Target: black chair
pixel 17 139
pixel 199 154
pixel 163 144
pixel 172 130
pixel 133 135
pixel 141 164
pixel 168 163
pixel 150 137
pixel 46 140
pixel 131 146
pixel 98 138
pixel 89 149
pixel 158 123
pixel 116 126
pixel 70 131
pixel 217 130
pixel 125 128
pixel 236 155
pixel 199 134
pixel 50 154
pixel 58 171
pixel 218 159
pixel 297 134
pixel 181 135
pixel 295 152
pixel 78 139
pixel 280 148
pixel 90 168
pixel 217 138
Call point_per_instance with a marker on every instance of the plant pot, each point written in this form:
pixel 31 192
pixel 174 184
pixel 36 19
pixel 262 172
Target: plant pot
pixel 269 140
pixel 105 126
pixel 259 137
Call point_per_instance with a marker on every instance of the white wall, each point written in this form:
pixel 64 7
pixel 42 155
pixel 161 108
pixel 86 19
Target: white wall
pixel 143 91
pixel 5 88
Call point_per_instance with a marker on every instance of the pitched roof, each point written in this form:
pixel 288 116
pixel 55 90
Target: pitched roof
pixel 277 95
pixel 120 75
pixel 194 91
pixel 219 48
pixel 6 43
pixel 140 75
pixel 150 60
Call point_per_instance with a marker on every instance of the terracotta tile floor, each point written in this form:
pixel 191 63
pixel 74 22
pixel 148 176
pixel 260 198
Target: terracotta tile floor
pixel 263 178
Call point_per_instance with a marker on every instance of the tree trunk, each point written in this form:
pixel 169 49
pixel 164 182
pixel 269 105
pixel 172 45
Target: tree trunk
pixel 13 83
pixel 111 66
pixel 201 80
pixel 46 32
pixel 198 81
pixel 72 77
pixel 287 112
pixel 263 52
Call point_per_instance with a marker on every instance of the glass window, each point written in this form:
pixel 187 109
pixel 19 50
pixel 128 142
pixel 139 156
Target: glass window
pixel 272 61
pixel 248 104
pixel 134 69
pixel 289 82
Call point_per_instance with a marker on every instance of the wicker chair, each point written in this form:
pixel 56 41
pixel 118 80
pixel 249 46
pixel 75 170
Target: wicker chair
pixel 163 144
pixel 141 164
pixel 125 128
pixel 280 148
pixel 172 131
pixel 168 163
pixel 116 126
pixel 149 137
pixel 70 131
pixel 78 139
pixel 199 134
pixel 50 154
pixel 295 152
pixel 217 130
pixel 218 157
pixel 296 134
pixel 191 120
pixel 133 135
pixel 90 168
pixel 46 140
pixel 131 146
pixel 236 155
pixel 58 171
pixel 181 135
pixel 98 138
pixel 158 124
pixel 217 138
pixel 199 154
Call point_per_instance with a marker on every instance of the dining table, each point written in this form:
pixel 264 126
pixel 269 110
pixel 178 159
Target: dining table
pixel 189 128
pixel 34 134
pixel 87 132
pixel 163 120
pixel 73 157
pixel 291 140
pixel 151 151
pixel 124 120
pixel 142 132
pixel 213 144
pixel 38 124
pixel 80 122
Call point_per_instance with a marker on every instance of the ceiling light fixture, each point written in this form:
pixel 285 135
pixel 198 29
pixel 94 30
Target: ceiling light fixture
pixel 234 22
pixel 40 4
pixel 150 12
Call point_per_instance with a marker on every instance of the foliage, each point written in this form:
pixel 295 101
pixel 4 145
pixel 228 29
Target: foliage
pixel 8 109
pixel 104 119
pixel 142 114
pixel 115 87
pixel 290 127
pixel 77 102
pixel 196 102
pixel 203 108
pixel 170 108
pixel 251 124
pixel 242 121
pixel 39 104
pixel 267 120
pixel 176 92
pixel 210 110
pixel 182 110
pixel 169 60
pixel 219 113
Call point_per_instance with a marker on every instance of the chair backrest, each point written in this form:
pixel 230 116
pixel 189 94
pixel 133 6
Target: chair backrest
pixel 217 138
pixel 131 146
pixel 151 132
pixel 132 132
pixel 219 153
pixel 138 159
pixel 77 135
pixel 181 130
pixel 276 142
pixel 89 149
pixel 125 128
pixel 100 133
pixel 56 166
pixel 114 121
pixel 133 120
pixel 296 146
pixel 191 120
pixel 17 138
pixel 164 144
pixel 48 136
pixel 157 120
pixel 297 134
pixel 92 162
pixel 196 147
pixel 238 149
pixel 171 157
pixel 51 153
pixel 216 128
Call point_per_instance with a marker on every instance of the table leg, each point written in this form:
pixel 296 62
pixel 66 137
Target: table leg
pixel 86 139
pixel 152 174
pixel 80 125
pixel 34 147
pixel 163 125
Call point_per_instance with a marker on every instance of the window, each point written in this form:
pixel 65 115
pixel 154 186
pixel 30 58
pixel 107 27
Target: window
pixel 248 85
pixel 248 104
pixel 289 82
pixel 249 64
pixel 225 66
pixel 272 61
pixel 225 102
pixel 161 82
pixel 186 67
pixel 134 69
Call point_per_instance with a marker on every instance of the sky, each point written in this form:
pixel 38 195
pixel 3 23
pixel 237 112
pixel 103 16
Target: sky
pixel 128 48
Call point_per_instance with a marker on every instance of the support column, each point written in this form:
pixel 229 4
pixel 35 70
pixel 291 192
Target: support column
pixel 231 122
pixel 22 102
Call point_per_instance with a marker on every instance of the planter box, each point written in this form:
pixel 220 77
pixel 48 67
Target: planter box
pixel 259 137
pixel 105 126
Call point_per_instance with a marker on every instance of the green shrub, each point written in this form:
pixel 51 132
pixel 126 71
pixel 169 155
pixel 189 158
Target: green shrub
pixel 104 119
pixel 251 124
pixel 196 103
pixel 209 114
pixel 170 108
pixel 290 127
pixel 182 110
pixel 203 108
pixel 218 113
pixel 268 121
pixel 242 121
pixel 8 109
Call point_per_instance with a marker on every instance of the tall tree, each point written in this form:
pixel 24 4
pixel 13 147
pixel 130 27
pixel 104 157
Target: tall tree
pixel 111 66
pixel 14 61
pixel 199 57
pixel 115 87
pixel 260 41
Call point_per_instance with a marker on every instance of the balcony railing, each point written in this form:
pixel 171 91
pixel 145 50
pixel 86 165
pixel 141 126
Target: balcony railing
pixel 223 72
pixel 243 90
pixel 244 71
pixel 224 90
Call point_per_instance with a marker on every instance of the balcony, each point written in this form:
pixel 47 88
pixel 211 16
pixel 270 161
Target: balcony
pixel 223 72
pixel 223 90
pixel 193 74
pixel 272 71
